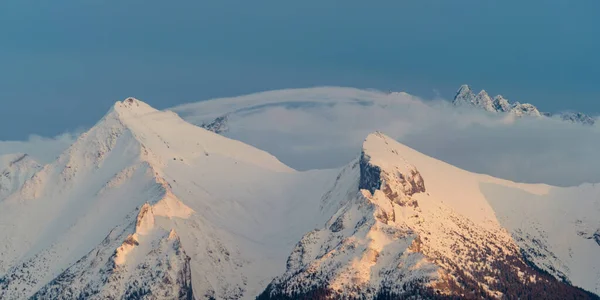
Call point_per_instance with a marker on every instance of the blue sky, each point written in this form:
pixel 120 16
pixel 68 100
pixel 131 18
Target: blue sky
pixel 63 63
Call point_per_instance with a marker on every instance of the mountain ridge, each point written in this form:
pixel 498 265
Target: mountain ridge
pixel 147 205
pixel 464 96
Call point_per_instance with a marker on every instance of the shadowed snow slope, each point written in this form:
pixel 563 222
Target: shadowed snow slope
pixel 145 205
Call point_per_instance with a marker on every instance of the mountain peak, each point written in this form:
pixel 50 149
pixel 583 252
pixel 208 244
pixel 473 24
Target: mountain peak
pixel 133 106
pixel 465 88
pixel 482 93
pixel 373 142
pixel 164 136
pixel 501 104
pixel 484 101
pixel 464 95
pixel 384 152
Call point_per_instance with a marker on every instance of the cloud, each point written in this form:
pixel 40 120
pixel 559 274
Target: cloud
pixel 42 149
pixel 324 128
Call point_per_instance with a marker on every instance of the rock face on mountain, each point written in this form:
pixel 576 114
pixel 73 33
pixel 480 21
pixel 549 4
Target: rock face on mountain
pixel 465 97
pixel 147 206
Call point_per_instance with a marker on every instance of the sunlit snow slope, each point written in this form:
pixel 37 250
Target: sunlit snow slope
pixel 146 205
pixel 152 204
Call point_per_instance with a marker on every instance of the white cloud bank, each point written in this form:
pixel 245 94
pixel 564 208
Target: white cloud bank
pixel 324 127
pixel 42 149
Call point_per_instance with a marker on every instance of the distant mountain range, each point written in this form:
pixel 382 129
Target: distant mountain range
pixel 465 97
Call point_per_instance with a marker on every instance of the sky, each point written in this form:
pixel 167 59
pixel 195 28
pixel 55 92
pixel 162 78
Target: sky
pixel 64 63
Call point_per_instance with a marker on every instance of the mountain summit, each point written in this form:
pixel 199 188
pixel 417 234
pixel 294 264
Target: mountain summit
pixel 147 206
pixel 464 96
pixel 143 188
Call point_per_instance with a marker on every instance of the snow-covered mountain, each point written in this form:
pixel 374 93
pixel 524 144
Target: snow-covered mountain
pixel 146 205
pixel 465 97
pixel 417 226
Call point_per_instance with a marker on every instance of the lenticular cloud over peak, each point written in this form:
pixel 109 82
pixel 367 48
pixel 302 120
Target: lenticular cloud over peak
pixel 322 128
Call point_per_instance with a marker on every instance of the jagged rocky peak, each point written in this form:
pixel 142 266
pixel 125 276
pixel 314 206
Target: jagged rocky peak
pixel 464 95
pixel 501 104
pixel 484 101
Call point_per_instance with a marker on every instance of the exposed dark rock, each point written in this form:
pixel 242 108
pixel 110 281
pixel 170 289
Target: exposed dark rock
pixel 338 225
pixel 370 175
pixel 219 125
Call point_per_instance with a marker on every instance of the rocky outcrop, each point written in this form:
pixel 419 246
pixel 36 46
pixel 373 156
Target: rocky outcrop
pixel 218 125
pixel 370 175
